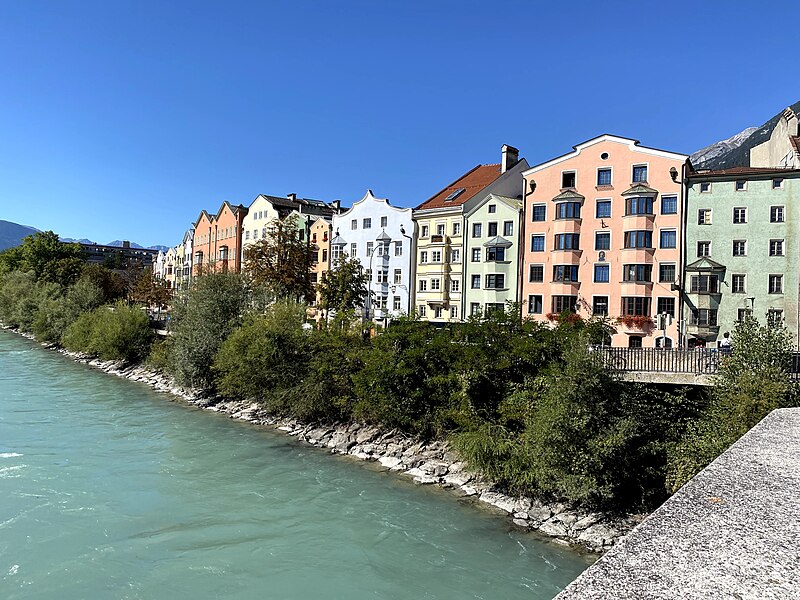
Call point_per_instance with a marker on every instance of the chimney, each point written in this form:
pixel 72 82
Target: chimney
pixel 126 244
pixel 337 206
pixel 292 197
pixel 510 158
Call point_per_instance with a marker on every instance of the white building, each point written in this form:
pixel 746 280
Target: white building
pixel 381 237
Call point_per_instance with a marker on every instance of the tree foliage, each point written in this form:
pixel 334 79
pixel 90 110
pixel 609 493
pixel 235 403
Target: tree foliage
pixel 149 290
pixel 46 257
pixel 118 332
pixel 281 261
pixel 343 287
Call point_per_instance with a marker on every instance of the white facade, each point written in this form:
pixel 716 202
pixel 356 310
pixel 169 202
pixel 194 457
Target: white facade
pixel 381 237
pixel 256 222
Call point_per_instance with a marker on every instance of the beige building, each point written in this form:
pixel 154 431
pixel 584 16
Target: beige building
pixel 440 234
pixel 320 232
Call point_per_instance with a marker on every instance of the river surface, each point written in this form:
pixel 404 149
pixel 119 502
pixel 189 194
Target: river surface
pixel 109 490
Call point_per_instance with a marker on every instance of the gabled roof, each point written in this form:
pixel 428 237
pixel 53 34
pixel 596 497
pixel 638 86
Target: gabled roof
pixel 338 240
pixel 200 217
pixel 705 264
pixel 233 208
pixel 638 189
pixel 472 182
pixel 307 206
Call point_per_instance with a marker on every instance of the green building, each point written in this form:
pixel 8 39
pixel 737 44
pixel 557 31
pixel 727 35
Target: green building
pixel 742 249
pixel 491 260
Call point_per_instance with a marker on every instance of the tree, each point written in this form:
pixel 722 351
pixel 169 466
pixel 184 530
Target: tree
pixel 281 261
pixel 150 290
pixel 47 257
pixel 344 287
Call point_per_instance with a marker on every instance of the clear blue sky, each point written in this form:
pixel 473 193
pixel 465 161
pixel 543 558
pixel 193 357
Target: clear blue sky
pixel 123 119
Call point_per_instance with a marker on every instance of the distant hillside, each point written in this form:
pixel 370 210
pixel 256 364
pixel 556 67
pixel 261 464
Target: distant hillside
pixel 11 234
pixel 735 151
pixel 72 240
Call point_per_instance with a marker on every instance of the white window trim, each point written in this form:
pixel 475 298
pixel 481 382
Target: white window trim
pixel 643 164
pixel 574 171
pixel 733 215
pixel 736 187
pixel 745 249
pixel 702 183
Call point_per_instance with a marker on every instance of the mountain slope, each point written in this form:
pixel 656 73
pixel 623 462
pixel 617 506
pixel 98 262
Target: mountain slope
pixel 11 234
pixel 735 151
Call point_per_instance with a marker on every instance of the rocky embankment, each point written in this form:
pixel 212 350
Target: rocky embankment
pixel 427 463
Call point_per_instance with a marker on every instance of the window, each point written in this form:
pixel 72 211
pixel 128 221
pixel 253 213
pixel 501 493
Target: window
pixel 738 284
pixel 494 307
pixel 508 228
pixel 534 304
pixel 495 282
pixel 777 184
pixel 743 313
pixel 600 305
pixel 398 276
pixel 635 306
pixel 336 252
pixel 568 210
pixel 455 256
pixel 436 284
pixel 370 247
pixel 639 205
pixel 774 316
pixel 776 214
pixel 740 215
pixel 740 247
pixel 424 231
pixel 423 257
pixel 476 230
pixel 492 229
pixel 493 208
pixel 776 284
pixel 398 248
pixel 603 177
pixel 383 276
pixel 568 179
pixel 565 273
pixel 395 302
pixel 476 282
pixel 455 285
pixel 601 273
pixel 705 187
pixel 704 284
pixel 665 306
pixel 635 341
pixel 567 241
pixel 354 224
pixel 564 303
pixel 456 228
pixel 440 229
pixel 666 273
pixel 669 238
pixel 436 256
pixel 640 173
pixel 454 194
pixel 740 185
pixel 537 243
pixel 353 249
pixel 324 256
pixel 536 273
pixel 421 309
pixel 703 249
pixel 366 223
pixel 602 240
pixel 669 205
pixel 703 317
pixel 474 309
pixel 603 209
pixel 476 255
pixel 638 239
pixel 496 254
pixel 776 247
pixel 423 285
pixel 454 311
pixel 247 234
pixel 642 273
pixel 538 212
pixel 704 216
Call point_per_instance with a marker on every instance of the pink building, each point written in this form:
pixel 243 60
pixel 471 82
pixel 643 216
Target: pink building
pixel 602 236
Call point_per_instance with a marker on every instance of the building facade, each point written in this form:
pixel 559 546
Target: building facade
pixel 440 240
pixel 321 233
pixel 491 264
pixel 183 264
pixel 217 244
pixel 381 237
pixel 601 230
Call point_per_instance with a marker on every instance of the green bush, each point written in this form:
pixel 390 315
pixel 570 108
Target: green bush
pixel 118 332
pixel 21 295
pixel 55 315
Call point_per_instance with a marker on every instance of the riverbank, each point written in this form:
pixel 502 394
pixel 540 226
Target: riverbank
pixel 431 463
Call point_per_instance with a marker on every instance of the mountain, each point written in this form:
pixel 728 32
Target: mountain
pixel 157 247
pixel 11 234
pixel 735 151
pixel 73 240
pixel 119 243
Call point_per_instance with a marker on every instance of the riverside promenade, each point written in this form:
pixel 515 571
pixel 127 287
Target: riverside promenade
pixel 732 532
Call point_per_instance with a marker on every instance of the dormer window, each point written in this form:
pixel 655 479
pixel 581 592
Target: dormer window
pixel 454 194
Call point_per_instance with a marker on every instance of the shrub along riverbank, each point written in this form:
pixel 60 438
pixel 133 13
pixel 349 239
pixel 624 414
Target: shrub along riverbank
pixel 526 404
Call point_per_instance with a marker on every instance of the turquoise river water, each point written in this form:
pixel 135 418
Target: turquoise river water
pixel 108 490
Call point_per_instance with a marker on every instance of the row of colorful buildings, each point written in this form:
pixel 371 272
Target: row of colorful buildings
pixel 672 254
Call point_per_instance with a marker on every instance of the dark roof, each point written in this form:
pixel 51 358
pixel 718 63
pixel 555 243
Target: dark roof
pixel 472 183
pixel 307 206
pixel 741 172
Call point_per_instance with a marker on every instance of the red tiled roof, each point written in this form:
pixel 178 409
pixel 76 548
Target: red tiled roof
pixel 472 182
pixel 740 171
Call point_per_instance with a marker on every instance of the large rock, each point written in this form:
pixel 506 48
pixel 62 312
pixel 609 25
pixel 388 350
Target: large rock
pixel 553 528
pixel 501 501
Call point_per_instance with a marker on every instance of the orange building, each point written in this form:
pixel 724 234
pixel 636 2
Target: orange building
pixel 218 240
pixel 321 241
pixel 602 236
